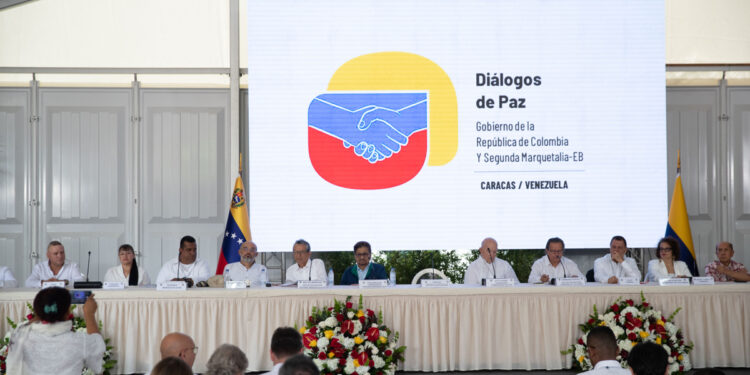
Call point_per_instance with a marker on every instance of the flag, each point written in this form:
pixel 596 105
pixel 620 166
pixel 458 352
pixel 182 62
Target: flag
pixel 678 225
pixel 237 230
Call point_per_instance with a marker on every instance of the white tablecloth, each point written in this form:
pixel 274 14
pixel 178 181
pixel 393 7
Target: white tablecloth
pixel 445 329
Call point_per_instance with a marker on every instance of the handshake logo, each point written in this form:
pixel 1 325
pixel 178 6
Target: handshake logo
pixel 376 138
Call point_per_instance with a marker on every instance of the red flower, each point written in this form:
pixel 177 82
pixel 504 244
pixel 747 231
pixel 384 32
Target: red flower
pixel 388 353
pixel 334 343
pixel 682 368
pixel 373 334
pixel 629 302
pixel 349 305
pixel 322 355
pixel 70 317
pixel 314 330
pixel 342 361
pixel 645 304
pixel 624 354
pixel 339 352
pixel 362 319
pixel 675 354
pixel 347 326
pixel 629 316
pixel 311 319
pixel 370 312
pixel 340 317
pixel 307 338
pixel 363 358
pixel 592 321
pixel 632 336
pixel 615 308
pixel 580 341
pixel 355 373
pixel 30 316
pixel 330 309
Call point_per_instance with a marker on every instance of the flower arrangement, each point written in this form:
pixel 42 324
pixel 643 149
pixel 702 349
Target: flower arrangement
pixel 79 325
pixel 634 323
pixel 344 340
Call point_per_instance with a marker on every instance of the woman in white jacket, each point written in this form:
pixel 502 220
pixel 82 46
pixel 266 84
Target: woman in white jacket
pixel 667 264
pixel 127 272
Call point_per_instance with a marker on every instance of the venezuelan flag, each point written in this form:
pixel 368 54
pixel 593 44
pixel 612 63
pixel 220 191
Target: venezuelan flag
pixel 237 230
pixel 678 225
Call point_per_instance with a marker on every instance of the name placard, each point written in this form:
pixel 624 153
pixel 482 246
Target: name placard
pixel 628 281
pixel 373 283
pixel 494 283
pixel 571 281
pixel 235 284
pixel 50 284
pixel 703 280
pixel 311 284
pixel 435 283
pixel 113 285
pixel 172 285
pixel 674 281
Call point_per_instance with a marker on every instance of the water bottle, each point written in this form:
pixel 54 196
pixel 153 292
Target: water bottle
pixel 226 274
pixel 330 277
pixel 263 277
pixel 392 279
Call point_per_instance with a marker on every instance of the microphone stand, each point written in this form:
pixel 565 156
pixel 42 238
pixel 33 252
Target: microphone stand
pixel 87 284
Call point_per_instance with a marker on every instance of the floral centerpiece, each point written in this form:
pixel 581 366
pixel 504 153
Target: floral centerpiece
pixel 344 340
pixel 634 323
pixel 79 325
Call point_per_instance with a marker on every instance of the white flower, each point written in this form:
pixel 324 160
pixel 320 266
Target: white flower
pixel 349 368
pixel 363 370
pixel 357 329
pixel 308 352
pixel 318 363
pixel 322 324
pixel 379 362
pixel 632 310
pixel 625 345
pixel 348 343
pixel 674 367
pixel 384 333
pixel 585 338
pixel 350 314
pixel 332 364
pixel 331 321
pixel 323 343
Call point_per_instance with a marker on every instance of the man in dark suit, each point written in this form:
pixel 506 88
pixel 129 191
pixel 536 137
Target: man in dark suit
pixel 363 269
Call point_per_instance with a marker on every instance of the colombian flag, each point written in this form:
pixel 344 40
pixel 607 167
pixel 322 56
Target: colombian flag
pixel 678 225
pixel 237 230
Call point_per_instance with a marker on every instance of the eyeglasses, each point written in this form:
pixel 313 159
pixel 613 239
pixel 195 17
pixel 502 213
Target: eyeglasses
pixel 361 255
pixel 193 349
pixel 665 249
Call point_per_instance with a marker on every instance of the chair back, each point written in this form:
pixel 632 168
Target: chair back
pixel 428 273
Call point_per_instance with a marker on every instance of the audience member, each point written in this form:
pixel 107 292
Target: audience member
pixel 246 269
pixel 299 364
pixel 648 358
pixel 6 276
pixel 186 267
pixel 48 345
pixel 363 269
pixel 602 349
pixel 488 265
pixel 615 265
pixel 227 360
pixel 171 366
pixel 127 272
pixel 726 269
pixel 553 265
pixel 56 268
pixel 304 268
pixel 178 345
pixel 285 342
pixel 667 265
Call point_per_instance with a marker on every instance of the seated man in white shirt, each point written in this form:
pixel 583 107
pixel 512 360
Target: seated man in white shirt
pixel 488 266
pixel 602 349
pixel 186 267
pixel 553 265
pixel 6 278
pixel 246 269
pixel 285 342
pixel 304 268
pixel 611 267
pixel 56 268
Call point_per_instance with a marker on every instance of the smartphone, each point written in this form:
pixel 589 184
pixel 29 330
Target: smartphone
pixel 79 297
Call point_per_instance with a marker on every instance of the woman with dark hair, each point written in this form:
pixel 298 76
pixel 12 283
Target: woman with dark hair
pixel 47 344
pixel 666 265
pixel 127 272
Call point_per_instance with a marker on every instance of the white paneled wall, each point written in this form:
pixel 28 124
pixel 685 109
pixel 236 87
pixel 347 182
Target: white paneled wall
pixel 186 182
pixel 739 165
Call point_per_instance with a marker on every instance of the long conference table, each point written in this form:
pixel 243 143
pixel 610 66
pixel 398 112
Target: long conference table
pixel 460 328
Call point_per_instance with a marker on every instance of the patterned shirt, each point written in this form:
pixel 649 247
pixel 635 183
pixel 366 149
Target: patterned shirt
pixel 711 270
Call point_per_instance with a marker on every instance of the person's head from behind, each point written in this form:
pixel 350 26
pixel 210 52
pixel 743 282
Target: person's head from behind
pixel 227 359
pixel 178 345
pixel 52 305
pixel 172 366
pixel 285 342
pixel 648 358
pixel 601 344
pixel 299 364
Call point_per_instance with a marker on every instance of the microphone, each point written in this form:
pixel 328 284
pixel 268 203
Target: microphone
pixel 494 273
pixel 87 284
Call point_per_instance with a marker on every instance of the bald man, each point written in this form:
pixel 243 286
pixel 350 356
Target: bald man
pixel 247 269
pixel 178 345
pixel 488 266
pixel 725 268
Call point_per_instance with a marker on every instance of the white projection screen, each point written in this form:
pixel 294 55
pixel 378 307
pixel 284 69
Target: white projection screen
pixel 433 124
